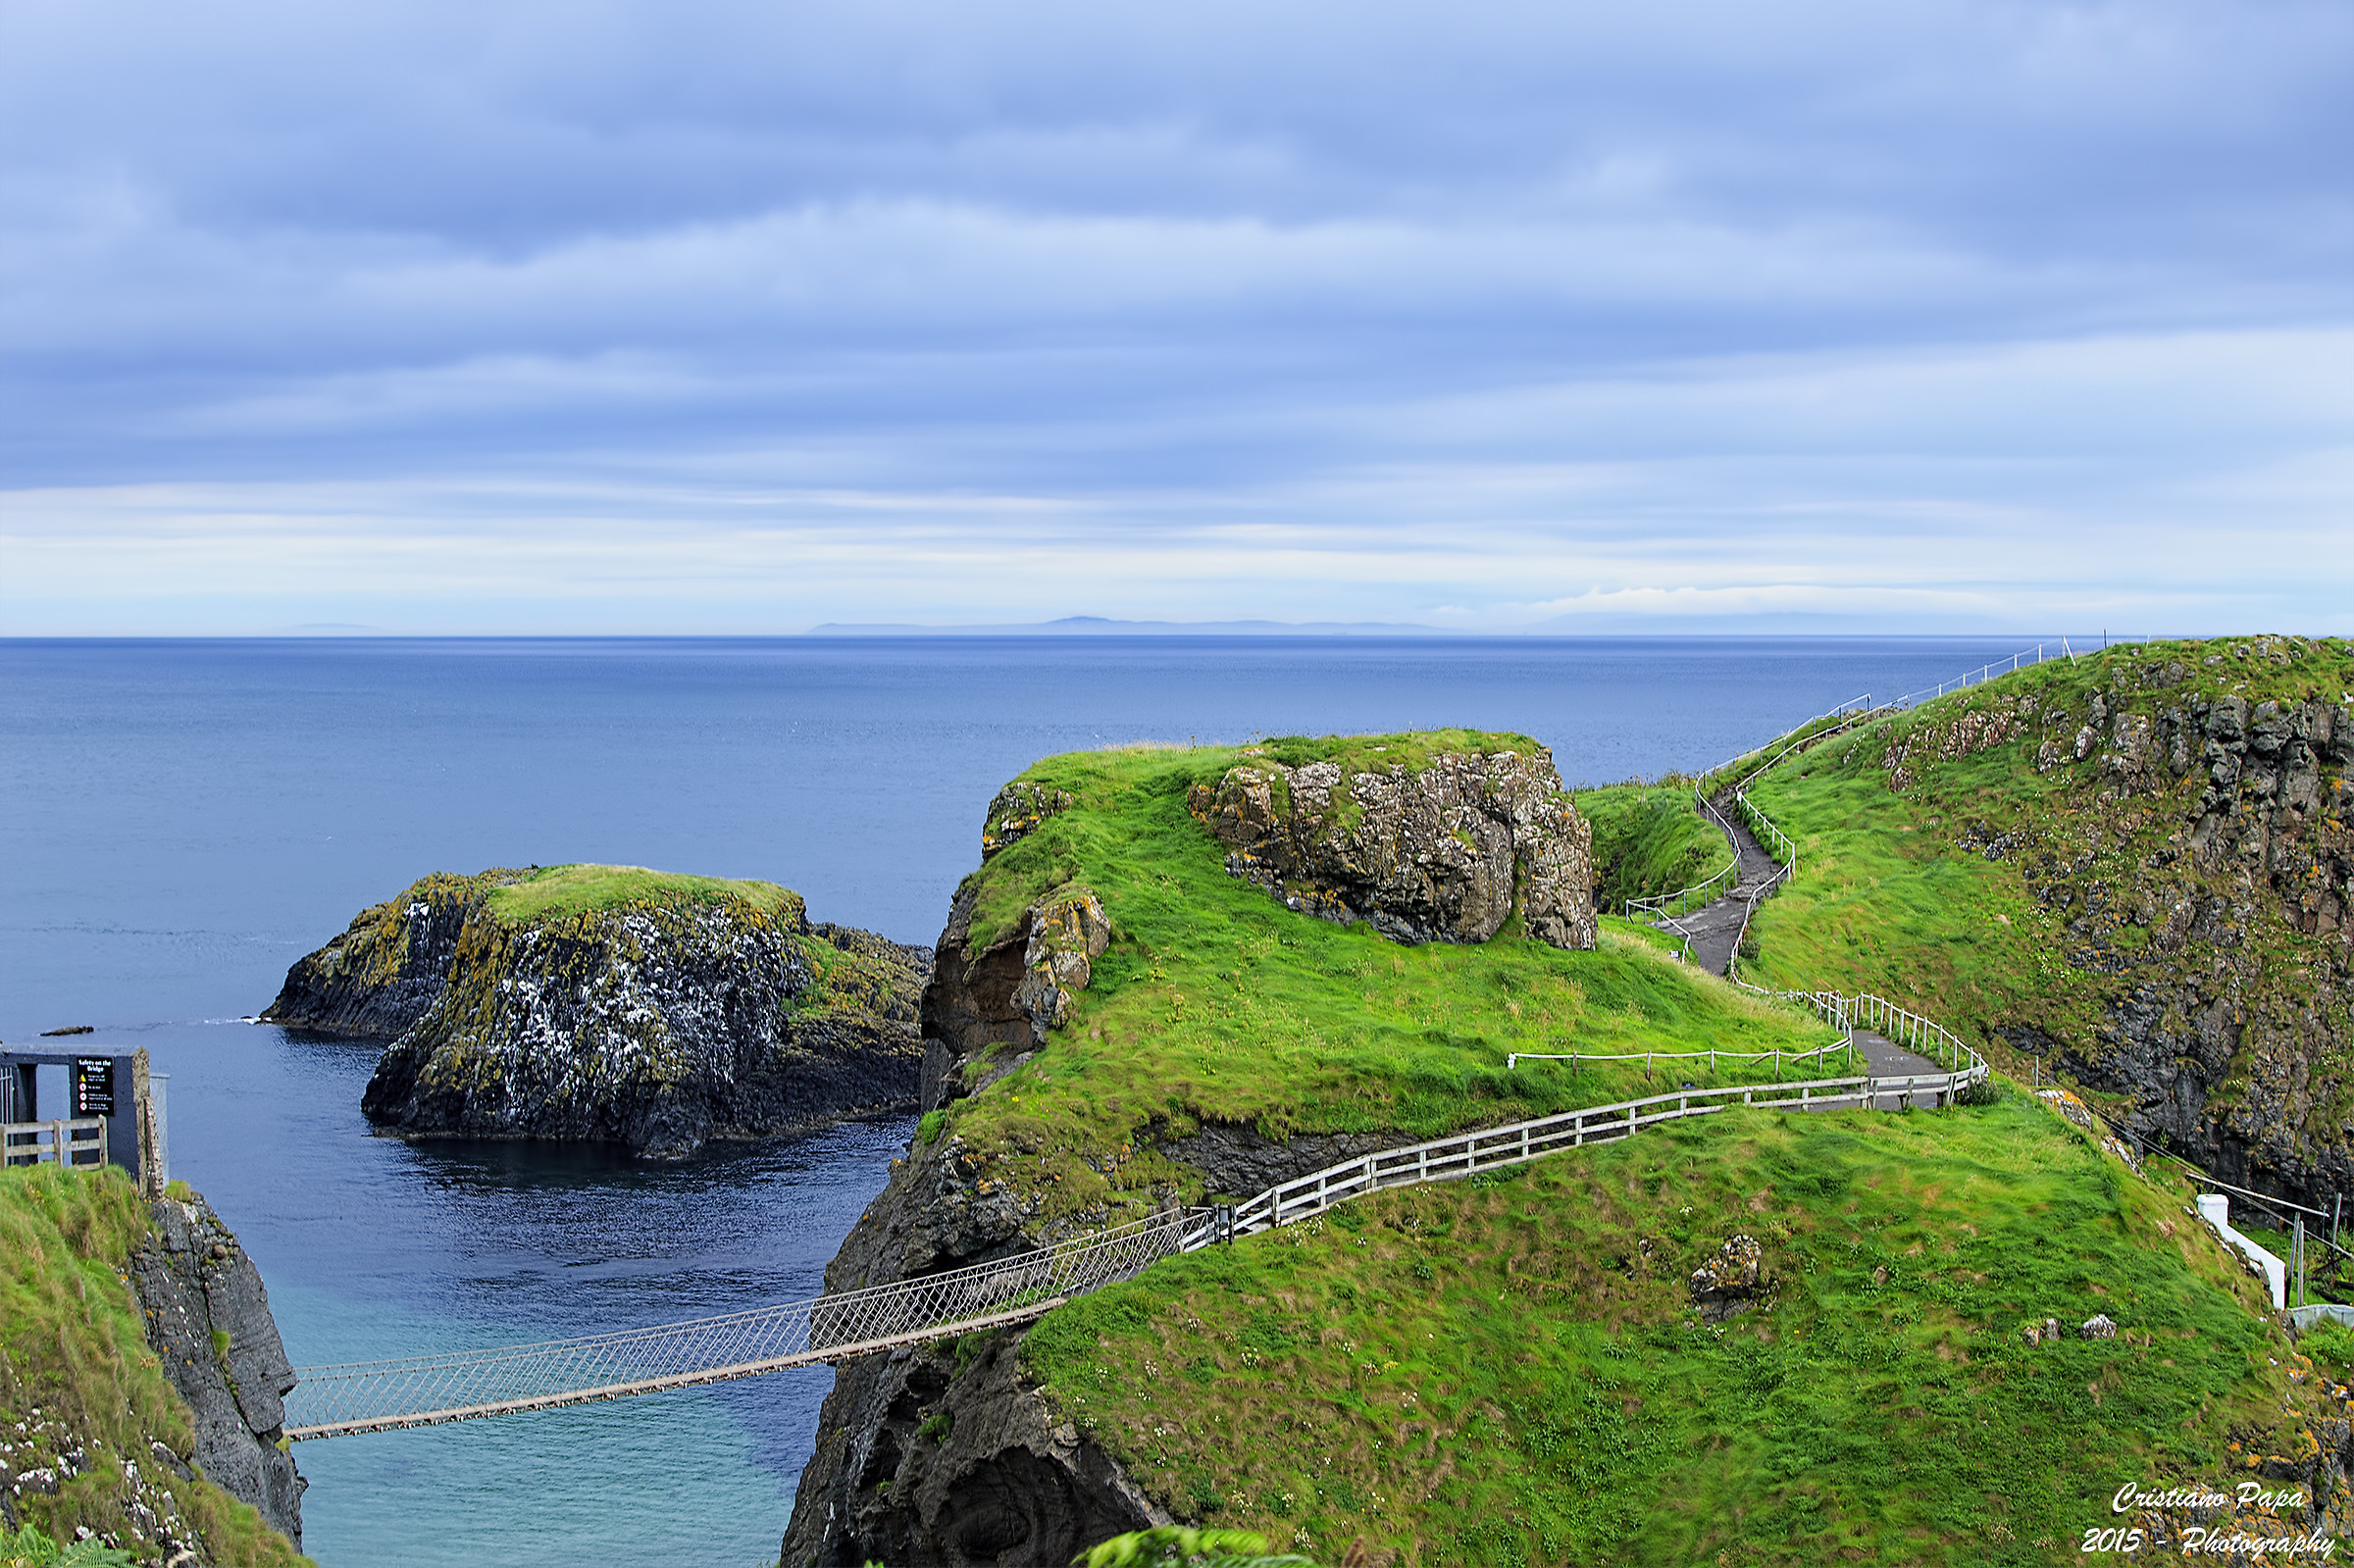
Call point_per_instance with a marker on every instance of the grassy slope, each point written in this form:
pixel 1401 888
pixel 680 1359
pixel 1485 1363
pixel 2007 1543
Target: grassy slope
pixel 1649 838
pixel 1215 1002
pixel 72 1347
pixel 1883 1409
pixel 1893 895
pixel 1508 1371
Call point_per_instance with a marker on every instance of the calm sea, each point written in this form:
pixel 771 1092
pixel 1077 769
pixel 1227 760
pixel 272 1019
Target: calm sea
pixel 180 821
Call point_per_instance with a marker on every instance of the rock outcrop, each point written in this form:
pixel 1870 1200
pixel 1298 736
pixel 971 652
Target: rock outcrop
pixel 1441 852
pixel 659 1022
pixel 1007 992
pixel 208 1319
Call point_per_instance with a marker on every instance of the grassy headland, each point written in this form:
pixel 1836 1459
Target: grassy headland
pixel 76 1373
pixel 1962 858
pixel 1511 1371
pixel 1215 1002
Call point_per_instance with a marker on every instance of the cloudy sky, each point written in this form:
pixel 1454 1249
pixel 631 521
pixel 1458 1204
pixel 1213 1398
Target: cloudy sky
pixel 712 316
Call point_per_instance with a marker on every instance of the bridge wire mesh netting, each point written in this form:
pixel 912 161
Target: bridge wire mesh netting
pixel 422 1390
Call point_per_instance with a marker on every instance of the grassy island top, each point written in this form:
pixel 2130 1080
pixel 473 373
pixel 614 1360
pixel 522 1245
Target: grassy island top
pixel 1215 1002
pixel 553 891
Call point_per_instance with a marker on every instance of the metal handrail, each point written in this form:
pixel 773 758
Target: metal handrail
pixel 1980 676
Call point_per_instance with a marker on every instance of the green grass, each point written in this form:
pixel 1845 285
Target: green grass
pixel 72 1347
pixel 1649 838
pixel 1215 1002
pixel 1508 1371
pixel 553 892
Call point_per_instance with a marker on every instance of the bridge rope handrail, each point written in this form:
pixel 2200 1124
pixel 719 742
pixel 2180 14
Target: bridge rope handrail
pixel 453 1386
pixel 353 1398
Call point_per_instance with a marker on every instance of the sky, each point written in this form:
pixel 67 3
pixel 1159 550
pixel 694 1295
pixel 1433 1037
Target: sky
pixel 715 316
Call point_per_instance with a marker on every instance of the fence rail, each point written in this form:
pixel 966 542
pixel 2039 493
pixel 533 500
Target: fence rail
pixel 74 1141
pixel 2024 659
pixel 1466 1153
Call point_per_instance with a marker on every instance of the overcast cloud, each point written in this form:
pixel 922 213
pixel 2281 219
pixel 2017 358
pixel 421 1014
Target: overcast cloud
pixel 727 317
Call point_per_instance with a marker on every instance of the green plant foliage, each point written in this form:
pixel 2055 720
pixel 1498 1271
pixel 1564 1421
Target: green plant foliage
pixel 1180 1546
pixel 30 1549
pixel 1215 1002
pixel 927 1128
pixel 1649 838
pixel 1518 1374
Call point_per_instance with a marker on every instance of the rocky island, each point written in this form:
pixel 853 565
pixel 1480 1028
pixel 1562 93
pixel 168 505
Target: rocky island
pixel 1196 972
pixel 1182 974
pixel 615 1004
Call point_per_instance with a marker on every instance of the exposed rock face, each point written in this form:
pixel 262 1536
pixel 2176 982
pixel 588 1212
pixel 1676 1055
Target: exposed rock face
pixel 1008 992
pixel 208 1318
pixel 1003 1484
pixel 659 1024
pixel 387 970
pixel 2207 880
pixel 1443 853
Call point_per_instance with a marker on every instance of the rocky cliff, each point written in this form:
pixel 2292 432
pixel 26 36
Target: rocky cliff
pixel 616 1005
pixel 1443 852
pixel 390 965
pixel 207 1319
pixel 2177 817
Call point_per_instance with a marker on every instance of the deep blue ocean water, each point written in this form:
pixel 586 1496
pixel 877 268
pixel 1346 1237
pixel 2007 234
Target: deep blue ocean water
pixel 181 820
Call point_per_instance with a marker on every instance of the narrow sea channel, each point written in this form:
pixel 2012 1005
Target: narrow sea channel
pixel 180 821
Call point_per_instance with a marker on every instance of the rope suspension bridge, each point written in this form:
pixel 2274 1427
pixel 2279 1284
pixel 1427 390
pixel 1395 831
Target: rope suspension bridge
pixel 332 1402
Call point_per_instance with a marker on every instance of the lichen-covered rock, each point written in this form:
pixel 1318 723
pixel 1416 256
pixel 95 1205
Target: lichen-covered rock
pixel 1015 813
pixel 657 1023
pixel 386 971
pixel 1066 932
pixel 1442 853
pixel 208 1319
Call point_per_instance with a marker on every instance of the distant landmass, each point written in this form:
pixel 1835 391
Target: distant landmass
pixel 1095 625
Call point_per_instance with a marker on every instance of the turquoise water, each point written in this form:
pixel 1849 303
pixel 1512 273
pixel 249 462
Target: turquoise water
pixel 180 821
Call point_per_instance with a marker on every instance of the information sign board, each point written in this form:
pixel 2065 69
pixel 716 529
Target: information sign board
pixel 94 1085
